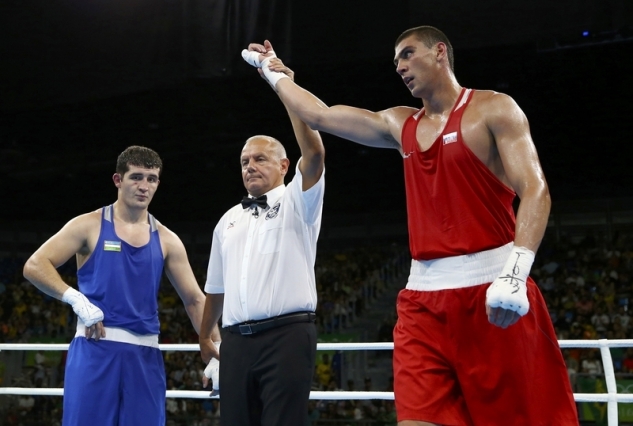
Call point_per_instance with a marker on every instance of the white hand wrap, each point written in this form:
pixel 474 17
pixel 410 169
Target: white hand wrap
pixel 213 370
pixel 272 76
pixel 86 311
pixel 252 58
pixel 509 290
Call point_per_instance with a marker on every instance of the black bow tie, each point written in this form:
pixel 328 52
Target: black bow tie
pixel 259 201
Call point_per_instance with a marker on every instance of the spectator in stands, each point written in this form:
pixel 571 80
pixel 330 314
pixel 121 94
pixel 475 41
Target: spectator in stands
pixel 600 320
pixel 627 361
pixel 622 317
pixel 25 404
pixel 585 304
pixel 572 364
pixel 324 370
pixel 591 364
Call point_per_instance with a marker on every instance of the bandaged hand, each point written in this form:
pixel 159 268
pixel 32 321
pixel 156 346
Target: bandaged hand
pixel 256 53
pixel 212 372
pixel 509 290
pixel 255 57
pixel 85 310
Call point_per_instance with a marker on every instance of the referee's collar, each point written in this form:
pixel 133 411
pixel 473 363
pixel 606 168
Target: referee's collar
pixel 274 194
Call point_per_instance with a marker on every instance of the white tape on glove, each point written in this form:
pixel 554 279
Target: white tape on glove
pixel 85 310
pixel 509 290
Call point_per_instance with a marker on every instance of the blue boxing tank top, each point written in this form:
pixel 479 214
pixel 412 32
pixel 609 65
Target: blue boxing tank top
pixel 123 280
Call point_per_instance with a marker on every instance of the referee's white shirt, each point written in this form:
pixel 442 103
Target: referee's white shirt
pixel 265 265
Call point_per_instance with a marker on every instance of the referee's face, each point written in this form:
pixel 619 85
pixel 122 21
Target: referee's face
pixel 261 169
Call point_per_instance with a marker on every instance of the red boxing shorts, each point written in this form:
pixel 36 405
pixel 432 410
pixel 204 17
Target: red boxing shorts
pixel 452 367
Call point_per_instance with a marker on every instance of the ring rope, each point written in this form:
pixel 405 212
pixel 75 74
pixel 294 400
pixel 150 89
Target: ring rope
pixel 612 398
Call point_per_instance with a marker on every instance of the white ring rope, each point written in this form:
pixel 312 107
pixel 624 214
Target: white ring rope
pixel 612 398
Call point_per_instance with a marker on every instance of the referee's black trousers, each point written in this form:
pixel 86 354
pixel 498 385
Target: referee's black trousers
pixel 265 378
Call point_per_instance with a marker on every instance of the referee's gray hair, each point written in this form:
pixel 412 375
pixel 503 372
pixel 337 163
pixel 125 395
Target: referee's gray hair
pixel 278 150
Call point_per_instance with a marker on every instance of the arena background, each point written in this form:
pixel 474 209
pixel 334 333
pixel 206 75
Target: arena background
pixel 83 79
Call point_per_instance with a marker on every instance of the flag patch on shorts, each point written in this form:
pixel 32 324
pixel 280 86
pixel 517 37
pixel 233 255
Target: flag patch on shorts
pixel 112 245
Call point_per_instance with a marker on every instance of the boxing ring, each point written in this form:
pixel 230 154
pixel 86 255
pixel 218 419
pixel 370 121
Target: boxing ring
pixel 611 397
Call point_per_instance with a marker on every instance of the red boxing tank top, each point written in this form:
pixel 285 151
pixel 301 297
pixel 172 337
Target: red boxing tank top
pixel 455 204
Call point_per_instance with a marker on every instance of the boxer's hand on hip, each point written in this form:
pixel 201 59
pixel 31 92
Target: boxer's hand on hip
pixel 85 310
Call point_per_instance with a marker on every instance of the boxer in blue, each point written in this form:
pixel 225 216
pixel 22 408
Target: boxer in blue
pixel 114 369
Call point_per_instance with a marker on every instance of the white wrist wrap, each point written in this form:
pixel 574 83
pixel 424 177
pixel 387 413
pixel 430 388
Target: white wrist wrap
pixel 509 290
pixel 213 369
pixel 272 76
pixel 86 311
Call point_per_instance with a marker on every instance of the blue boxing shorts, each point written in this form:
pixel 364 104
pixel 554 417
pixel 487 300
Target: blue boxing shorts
pixel 113 383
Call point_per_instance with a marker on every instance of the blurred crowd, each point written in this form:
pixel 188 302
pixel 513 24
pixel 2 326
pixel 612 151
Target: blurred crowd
pixel 586 285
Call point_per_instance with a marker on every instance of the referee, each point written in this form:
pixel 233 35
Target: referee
pixel 261 281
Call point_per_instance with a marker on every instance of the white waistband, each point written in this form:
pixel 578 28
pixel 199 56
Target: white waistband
pixel 458 271
pixel 116 334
